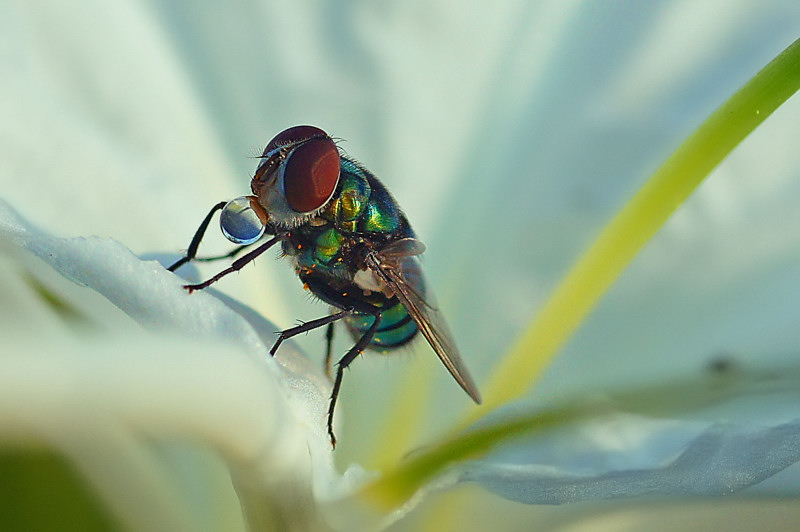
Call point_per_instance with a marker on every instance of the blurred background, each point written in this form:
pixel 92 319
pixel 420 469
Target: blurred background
pixel 509 133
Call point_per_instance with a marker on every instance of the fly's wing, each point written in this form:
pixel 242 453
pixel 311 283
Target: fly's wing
pixel 399 267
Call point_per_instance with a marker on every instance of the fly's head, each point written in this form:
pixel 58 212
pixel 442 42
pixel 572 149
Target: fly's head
pixel 297 175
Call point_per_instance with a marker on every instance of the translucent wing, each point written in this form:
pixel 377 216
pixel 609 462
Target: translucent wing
pixel 399 267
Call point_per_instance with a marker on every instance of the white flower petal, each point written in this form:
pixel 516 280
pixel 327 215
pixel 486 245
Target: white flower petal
pixel 717 460
pixel 103 398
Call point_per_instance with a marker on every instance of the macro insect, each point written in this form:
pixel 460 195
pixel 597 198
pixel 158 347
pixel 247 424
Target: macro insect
pixel 350 244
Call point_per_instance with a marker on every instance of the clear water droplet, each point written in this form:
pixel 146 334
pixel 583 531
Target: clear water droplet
pixel 240 223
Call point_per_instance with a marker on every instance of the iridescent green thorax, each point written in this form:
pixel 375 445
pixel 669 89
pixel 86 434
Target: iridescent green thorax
pixel 328 251
pixel 328 245
pixel 361 204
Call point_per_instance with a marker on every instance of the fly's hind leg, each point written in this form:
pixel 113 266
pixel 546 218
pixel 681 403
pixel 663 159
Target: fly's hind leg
pixel 346 360
pixel 328 349
pixel 308 326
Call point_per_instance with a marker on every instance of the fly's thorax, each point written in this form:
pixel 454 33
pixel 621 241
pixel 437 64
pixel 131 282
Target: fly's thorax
pixel 317 241
pixel 320 250
pixel 362 204
pixel 350 199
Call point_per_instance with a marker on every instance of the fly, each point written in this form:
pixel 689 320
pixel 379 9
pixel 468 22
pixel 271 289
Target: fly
pixel 350 245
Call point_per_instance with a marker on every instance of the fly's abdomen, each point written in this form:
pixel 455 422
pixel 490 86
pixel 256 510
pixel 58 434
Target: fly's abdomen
pixel 397 328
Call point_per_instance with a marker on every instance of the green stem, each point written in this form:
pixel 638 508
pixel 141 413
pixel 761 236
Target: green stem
pixel 636 224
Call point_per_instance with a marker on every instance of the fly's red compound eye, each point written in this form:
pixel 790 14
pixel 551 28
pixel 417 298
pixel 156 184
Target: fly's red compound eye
pixel 294 135
pixel 311 174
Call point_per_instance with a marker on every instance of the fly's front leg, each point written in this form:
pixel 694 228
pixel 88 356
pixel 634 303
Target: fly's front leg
pixel 238 264
pixel 191 252
pixel 231 254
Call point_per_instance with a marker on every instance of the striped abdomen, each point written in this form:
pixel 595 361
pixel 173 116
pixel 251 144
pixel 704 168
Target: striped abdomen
pixel 396 329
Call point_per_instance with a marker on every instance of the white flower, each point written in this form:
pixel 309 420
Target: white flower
pixel 510 134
